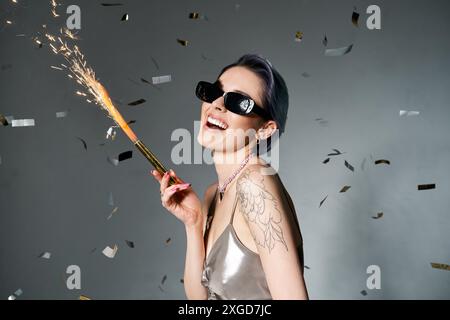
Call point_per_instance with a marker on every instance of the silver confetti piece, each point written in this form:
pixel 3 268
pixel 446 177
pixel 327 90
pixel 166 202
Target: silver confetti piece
pixel 61 114
pixel 161 79
pixel 45 255
pixel 23 123
pixel 336 52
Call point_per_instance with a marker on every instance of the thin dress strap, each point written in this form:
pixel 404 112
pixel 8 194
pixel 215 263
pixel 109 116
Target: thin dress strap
pixel 234 209
pixel 211 210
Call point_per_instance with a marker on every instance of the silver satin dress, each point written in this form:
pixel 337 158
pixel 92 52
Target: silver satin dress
pixel 231 270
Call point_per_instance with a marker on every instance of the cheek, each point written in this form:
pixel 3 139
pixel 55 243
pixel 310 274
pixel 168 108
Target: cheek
pixel 244 123
pixel 203 110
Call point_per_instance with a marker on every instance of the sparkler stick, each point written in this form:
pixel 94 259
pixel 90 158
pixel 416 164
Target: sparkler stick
pixel 85 76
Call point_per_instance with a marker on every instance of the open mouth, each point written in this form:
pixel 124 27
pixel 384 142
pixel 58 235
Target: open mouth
pixel 213 123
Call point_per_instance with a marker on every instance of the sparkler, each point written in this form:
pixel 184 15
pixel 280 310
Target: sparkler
pixel 85 76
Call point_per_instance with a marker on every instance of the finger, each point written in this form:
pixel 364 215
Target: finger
pixel 176 178
pixel 170 191
pixel 164 182
pixel 156 175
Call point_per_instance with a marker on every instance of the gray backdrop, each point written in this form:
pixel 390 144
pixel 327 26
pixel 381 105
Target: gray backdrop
pixel 54 194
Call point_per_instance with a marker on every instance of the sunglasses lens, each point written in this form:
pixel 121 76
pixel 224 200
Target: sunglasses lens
pixel 238 103
pixel 207 92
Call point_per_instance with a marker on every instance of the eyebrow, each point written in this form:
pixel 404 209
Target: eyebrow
pixel 237 91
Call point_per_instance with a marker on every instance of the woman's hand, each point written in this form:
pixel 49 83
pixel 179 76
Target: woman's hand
pixel 179 198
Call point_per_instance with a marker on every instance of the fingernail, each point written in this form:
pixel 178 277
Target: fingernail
pixel 152 172
pixel 172 172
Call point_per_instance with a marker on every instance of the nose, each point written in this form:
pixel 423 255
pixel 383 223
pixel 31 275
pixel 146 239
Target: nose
pixel 219 104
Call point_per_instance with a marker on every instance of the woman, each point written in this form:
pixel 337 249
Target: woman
pixel 243 239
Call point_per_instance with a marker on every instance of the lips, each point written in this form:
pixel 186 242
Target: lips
pixel 213 122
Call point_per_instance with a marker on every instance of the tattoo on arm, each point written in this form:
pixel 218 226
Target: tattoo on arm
pixel 260 208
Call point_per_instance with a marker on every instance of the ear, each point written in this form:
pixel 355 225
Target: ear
pixel 268 128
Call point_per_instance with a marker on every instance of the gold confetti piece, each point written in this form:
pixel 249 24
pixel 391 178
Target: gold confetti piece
pixel 23 123
pixel 336 153
pixel 125 155
pixel 345 188
pixel 364 292
pixel 426 186
pixel 349 166
pixel 379 215
pixel 137 102
pixel 110 252
pixel 8 22
pixel 337 52
pixel 193 15
pixel 325 40
pixel 161 79
pixel 298 36
pixel 382 161
pixel 82 297
pixel 83 142
pixel 163 279
pixel 113 161
pixel 441 266
pixel 16 294
pixel 56 68
pixel 112 4
pixel 112 212
pixel 323 200
pixel 355 18
pixel 125 17
pixel 323 123
pixel 326 161
pixel 168 240
pixel 155 63
pixel 45 255
pixel 363 164
pixel 111 199
pixel 184 43
pixel 130 243
pixel 3 120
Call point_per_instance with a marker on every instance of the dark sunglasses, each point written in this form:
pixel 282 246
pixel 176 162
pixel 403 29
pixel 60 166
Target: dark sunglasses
pixel 234 102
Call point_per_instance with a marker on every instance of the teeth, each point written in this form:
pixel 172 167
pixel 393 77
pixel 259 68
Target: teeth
pixel 217 123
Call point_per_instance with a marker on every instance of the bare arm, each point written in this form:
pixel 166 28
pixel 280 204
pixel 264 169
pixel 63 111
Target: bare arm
pixel 195 252
pixel 183 203
pixel 266 212
pixel 193 268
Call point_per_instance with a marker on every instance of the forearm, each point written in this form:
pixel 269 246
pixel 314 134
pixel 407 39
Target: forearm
pixel 195 256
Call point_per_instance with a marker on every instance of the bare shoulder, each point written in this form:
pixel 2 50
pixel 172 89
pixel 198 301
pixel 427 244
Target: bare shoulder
pixel 260 177
pixel 262 205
